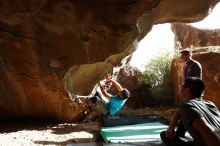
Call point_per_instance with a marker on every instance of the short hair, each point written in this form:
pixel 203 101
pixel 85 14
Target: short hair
pixel 125 93
pixel 196 86
pixel 186 51
pixel 93 99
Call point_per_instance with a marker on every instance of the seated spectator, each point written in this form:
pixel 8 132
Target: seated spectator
pixel 200 118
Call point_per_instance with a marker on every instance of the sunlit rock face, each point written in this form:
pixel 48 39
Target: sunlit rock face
pixel 189 36
pixel 210 74
pixel 46 44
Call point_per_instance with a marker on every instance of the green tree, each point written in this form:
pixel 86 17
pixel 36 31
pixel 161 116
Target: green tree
pixel 157 75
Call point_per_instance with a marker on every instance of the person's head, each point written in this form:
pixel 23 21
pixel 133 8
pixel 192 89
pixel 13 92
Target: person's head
pixel 186 55
pixel 124 93
pixel 93 99
pixel 193 87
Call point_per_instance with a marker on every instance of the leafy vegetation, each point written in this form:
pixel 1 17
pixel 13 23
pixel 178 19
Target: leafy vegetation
pixel 157 75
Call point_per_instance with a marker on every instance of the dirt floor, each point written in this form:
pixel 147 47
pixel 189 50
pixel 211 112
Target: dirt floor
pixel 31 134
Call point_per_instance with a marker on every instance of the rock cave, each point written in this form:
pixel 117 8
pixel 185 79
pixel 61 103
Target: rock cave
pixel 51 50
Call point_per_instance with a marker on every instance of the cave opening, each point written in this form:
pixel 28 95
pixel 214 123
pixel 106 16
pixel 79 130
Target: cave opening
pixel 158 40
pixel 161 38
pixel 211 21
pixel 32 68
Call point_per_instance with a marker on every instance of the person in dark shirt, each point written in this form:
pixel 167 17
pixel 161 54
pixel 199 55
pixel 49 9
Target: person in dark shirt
pixel 200 118
pixel 192 68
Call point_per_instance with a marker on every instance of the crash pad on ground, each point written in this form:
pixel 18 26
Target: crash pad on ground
pixel 135 133
pixel 109 121
pixel 116 144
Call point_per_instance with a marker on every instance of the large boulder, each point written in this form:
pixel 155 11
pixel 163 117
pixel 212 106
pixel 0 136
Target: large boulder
pixel 46 44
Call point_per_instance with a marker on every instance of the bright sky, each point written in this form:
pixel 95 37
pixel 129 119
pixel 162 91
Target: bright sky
pixel 211 21
pixel 161 38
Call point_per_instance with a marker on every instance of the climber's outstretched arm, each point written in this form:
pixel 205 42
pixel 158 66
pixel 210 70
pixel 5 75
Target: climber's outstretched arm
pixel 104 92
pixel 117 85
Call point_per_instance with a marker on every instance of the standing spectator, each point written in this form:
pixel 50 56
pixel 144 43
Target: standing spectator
pixel 191 68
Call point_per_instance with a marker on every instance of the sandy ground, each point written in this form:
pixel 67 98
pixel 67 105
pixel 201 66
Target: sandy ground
pixel 31 134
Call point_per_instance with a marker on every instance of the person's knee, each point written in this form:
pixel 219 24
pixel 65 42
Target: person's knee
pixel 166 140
pixel 163 136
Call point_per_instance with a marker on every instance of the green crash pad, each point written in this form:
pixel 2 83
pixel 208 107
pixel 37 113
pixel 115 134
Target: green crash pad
pixel 145 132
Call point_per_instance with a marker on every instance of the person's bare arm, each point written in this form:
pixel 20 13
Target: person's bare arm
pixel 173 122
pixel 209 134
pixel 106 94
pixel 115 83
pixel 82 96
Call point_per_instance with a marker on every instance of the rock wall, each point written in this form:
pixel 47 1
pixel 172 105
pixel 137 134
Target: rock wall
pixel 46 44
pixel 189 36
